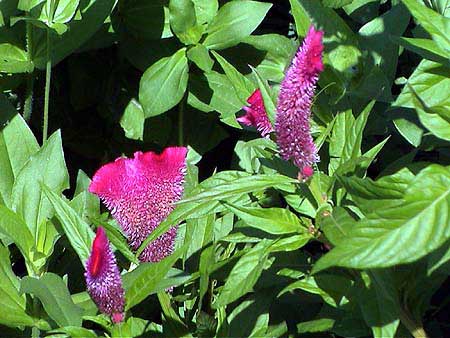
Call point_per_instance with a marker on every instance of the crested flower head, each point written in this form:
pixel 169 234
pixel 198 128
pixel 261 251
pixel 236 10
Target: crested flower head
pixel 103 278
pixel 292 124
pixel 140 193
pixel 256 115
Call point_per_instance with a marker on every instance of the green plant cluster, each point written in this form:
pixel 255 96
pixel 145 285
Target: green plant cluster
pixel 360 249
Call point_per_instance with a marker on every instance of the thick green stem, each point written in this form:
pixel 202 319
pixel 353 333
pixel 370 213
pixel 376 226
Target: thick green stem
pixel 414 328
pixel 48 75
pixel 28 105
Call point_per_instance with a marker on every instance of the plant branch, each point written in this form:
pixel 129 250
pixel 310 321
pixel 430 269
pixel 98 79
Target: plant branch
pixel 48 74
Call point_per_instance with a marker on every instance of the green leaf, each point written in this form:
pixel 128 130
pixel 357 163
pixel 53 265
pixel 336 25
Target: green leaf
pixel 267 95
pixel 430 81
pixel 205 10
pixel 75 332
pixel 143 281
pixel 436 119
pixel 242 86
pixel 77 231
pixel 244 274
pixel 242 185
pixel 437 25
pixel 133 120
pixel 200 56
pixel 275 221
pixel 336 3
pixel 426 48
pixel 379 303
pixel 47 167
pixel 250 153
pixel 234 21
pixel 184 22
pixel 17 144
pixel 14 59
pixel 399 233
pixel 163 85
pixel 55 297
pixel 93 15
pixel 15 229
pixel 13 305
pixel 146 19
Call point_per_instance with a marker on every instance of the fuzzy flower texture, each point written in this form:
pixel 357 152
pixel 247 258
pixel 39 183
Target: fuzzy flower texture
pixel 141 192
pixel 292 125
pixel 103 280
pixel 256 115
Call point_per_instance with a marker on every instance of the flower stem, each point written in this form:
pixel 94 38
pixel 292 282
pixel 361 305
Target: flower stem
pixel 48 74
pixel 28 105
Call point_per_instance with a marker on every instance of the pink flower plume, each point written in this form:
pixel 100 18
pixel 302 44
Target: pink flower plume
pixel 256 115
pixel 103 280
pixel 140 192
pixel 292 124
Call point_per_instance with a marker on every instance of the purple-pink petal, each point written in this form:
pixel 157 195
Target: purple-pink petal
pixel 256 115
pixel 103 281
pixel 141 192
pixel 292 124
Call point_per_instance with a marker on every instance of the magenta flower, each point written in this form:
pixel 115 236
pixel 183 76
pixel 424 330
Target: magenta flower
pixel 140 193
pixel 103 278
pixel 256 115
pixel 292 124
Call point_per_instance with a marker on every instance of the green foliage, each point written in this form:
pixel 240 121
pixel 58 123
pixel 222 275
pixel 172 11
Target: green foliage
pixel 359 249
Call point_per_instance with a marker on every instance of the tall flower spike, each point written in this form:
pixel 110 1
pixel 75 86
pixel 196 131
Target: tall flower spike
pixel 256 115
pixel 292 124
pixel 140 192
pixel 103 278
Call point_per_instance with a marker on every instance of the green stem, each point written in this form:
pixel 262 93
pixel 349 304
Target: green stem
pixel 28 105
pixel 414 328
pixel 181 108
pixel 48 74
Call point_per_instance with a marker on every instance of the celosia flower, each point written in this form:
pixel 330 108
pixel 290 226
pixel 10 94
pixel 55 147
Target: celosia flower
pixel 103 278
pixel 140 193
pixel 256 115
pixel 292 124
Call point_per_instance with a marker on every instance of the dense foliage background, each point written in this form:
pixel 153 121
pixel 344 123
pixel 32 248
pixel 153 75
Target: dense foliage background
pixel 361 249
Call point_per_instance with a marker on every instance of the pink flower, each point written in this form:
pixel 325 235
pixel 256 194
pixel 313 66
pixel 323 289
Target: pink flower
pixel 292 124
pixel 140 193
pixel 256 115
pixel 103 278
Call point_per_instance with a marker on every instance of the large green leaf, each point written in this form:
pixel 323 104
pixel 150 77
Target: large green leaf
pixel 55 297
pixel 145 19
pixel 14 59
pixel 15 229
pixel 242 185
pixel 243 86
pixel 93 15
pixel 13 305
pixel 17 144
pixel 399 233
pixel 234 21
pixel 244 274
pixel 77 231
pixel 47 167
pixel 379 303
pixel 276 221
pixel 205 10
pixel 183 21
pixel 431 82
pixel 437 25
pixel 143 281
pixel 426 48
pixel 133 120
pixel 163 85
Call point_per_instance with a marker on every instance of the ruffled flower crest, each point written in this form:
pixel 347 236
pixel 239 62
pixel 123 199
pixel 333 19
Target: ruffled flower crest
pixel 141 192
pixel 256 115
